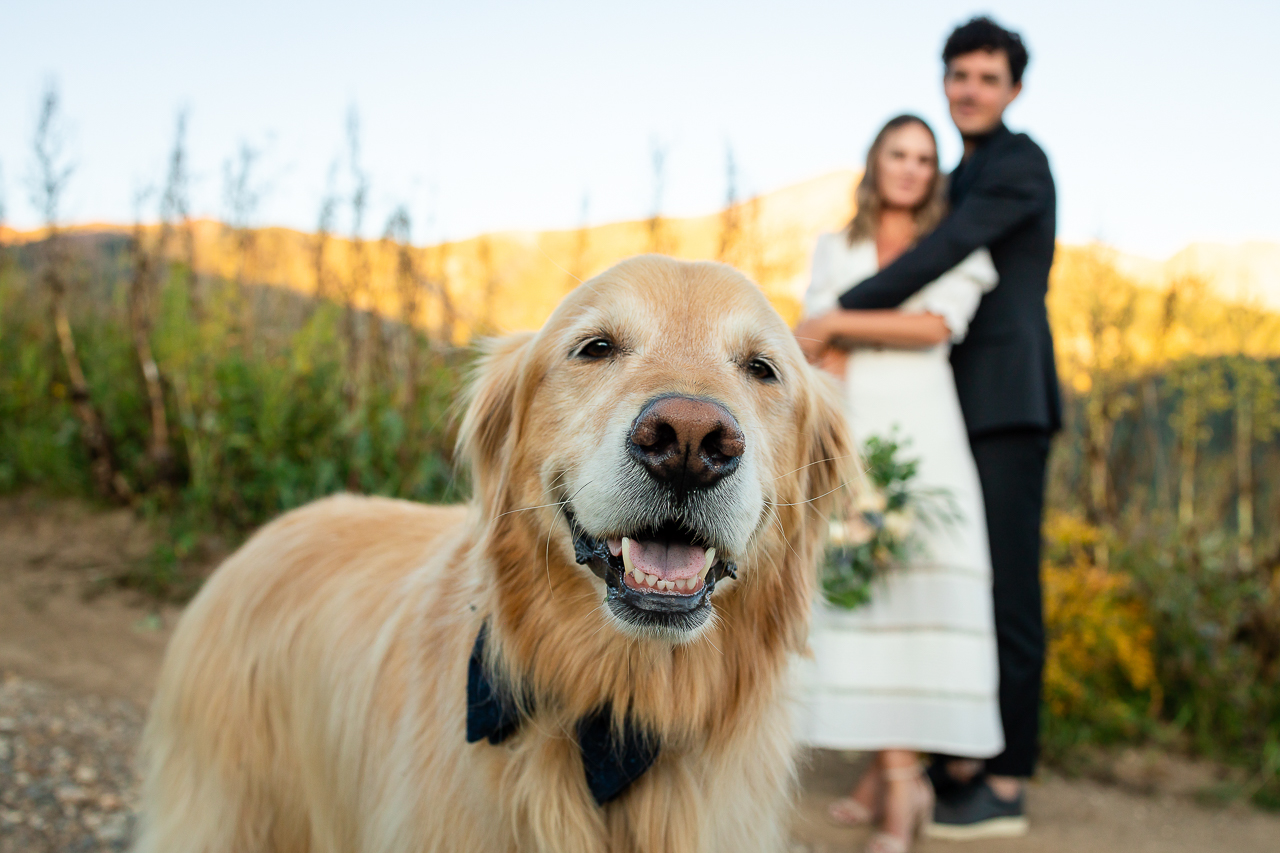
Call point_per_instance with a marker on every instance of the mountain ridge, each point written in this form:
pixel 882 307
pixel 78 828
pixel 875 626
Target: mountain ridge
pixel 510 280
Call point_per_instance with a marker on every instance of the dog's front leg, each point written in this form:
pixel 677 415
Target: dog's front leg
pixel 660 813
pixel 553 810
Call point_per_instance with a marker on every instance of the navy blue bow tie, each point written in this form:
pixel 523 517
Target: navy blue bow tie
pixel 610 760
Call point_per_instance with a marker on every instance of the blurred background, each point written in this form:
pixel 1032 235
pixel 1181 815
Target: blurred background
pixel 244 246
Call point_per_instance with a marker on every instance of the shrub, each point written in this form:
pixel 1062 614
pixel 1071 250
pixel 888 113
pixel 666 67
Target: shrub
pixel 259 424
pixel 1100 673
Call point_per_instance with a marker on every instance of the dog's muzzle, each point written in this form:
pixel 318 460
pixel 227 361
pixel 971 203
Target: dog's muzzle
pixel 659 579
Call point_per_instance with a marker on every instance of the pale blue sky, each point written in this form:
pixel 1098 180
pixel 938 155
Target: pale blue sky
pixel 1160 118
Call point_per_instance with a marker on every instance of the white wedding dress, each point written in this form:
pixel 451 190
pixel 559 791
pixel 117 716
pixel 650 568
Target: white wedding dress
pixel 915 668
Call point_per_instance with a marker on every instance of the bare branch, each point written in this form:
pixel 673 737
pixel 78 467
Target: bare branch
pixel 578 269
pixel 324 232
pixel 141 293
pixel 52 170
pixel 731 217
pixel 50 173
pixel 240 195
pixel 658 156
pixel 175 211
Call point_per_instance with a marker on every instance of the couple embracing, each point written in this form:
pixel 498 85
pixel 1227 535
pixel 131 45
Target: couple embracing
pixel 930 307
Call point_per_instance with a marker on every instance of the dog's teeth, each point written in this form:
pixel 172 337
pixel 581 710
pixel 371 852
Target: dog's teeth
pixel 639 575
pixel 711 559
pixel 626 558
pixel 650 579
pixel 680 583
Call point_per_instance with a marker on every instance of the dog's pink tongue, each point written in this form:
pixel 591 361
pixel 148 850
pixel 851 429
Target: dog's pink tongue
pixel 668 561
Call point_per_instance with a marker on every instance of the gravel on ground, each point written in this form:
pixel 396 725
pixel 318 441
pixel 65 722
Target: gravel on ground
pixel 67 782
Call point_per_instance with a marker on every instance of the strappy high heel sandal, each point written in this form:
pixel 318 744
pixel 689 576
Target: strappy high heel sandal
pixel 921 811
pixel 848 811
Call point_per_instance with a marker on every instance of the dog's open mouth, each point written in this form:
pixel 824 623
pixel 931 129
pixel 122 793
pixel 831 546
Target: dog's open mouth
pixel 659 577
pixel 663 565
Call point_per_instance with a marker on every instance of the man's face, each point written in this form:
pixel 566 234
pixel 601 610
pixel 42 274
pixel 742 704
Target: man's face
pixel 979 86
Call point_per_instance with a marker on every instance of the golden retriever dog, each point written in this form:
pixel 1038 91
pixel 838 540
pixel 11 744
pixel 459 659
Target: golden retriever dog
pixel 591 656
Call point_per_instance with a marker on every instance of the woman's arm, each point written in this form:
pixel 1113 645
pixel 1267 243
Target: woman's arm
pixel 888 328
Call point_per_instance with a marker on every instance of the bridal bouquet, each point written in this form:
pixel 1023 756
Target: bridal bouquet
pixel 877 534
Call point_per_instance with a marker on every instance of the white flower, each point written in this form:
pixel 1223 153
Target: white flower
pixel 871 501
pixel 898 523
pixel 853 532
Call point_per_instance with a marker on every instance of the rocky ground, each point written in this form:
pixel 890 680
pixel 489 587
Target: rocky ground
pixel 78 659
pixel 66 769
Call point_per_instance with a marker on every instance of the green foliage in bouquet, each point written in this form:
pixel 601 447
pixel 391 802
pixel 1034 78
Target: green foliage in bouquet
pixel 877 534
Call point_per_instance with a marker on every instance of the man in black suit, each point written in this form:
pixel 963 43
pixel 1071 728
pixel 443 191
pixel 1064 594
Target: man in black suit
pixel 1002 197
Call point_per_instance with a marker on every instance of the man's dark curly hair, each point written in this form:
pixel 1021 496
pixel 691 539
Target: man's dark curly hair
pixel 982 33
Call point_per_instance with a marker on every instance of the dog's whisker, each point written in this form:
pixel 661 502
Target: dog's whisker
pixel 545 506
pixel 546 559
pixel 711 624
pixel 772 514
pixel 818 462
pixel 554 264
pixel 843 485
pixel 528 508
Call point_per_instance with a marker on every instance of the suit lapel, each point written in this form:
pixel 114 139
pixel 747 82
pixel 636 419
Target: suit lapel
pixel 966 174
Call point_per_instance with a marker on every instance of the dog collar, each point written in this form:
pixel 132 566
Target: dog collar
pixel 611 760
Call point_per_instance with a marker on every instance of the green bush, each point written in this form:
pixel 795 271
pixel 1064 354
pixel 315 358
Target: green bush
pixel 258 423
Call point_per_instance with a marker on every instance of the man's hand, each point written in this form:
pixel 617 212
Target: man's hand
pixel 814 337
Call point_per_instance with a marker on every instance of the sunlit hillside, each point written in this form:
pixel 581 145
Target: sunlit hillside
pixel 511 280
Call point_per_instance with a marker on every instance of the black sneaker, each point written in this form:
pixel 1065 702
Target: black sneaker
pixel 949 787
pixel 978 813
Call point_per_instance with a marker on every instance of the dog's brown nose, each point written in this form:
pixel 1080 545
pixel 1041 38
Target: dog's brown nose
pixel 688 442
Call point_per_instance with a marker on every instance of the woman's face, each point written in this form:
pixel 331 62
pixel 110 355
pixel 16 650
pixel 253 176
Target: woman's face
pixel 906 167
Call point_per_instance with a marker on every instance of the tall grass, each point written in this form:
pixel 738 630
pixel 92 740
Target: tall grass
pixel 261 423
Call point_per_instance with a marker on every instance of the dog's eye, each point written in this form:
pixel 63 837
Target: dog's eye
pixel 596 348
pixel 762 370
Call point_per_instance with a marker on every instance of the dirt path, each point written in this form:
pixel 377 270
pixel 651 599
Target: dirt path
pixel 1067 816
pixel 78 661
pixel 62 620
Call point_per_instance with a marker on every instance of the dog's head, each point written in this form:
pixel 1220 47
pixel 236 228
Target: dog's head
pixel 663 432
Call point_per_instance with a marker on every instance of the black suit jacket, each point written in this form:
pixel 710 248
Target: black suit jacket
pixel 1002 197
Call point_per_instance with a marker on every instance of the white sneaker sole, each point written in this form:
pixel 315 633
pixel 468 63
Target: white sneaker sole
pixel 996 827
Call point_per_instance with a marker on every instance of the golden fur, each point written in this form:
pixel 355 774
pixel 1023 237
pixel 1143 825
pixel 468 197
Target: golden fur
pixel 312 698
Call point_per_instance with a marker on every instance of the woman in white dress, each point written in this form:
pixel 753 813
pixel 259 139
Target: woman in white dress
pixel 914 670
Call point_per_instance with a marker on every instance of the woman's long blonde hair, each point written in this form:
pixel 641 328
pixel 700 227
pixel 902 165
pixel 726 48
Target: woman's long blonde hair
pixel 866 198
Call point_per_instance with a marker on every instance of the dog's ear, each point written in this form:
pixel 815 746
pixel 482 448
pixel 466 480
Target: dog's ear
pixel 492 419
pixel 833 471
